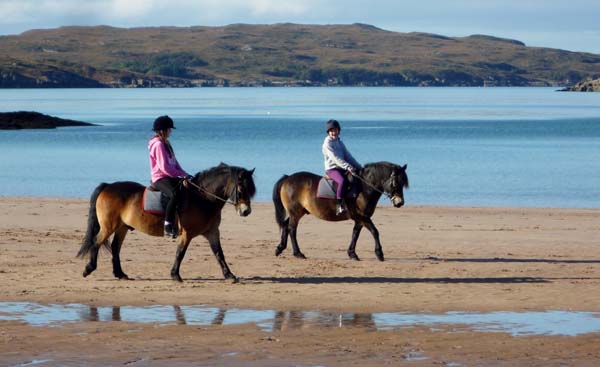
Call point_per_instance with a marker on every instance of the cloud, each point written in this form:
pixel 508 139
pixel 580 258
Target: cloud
pixel 14 12
pixel 278 7
pixel 150 12
pixel 129 9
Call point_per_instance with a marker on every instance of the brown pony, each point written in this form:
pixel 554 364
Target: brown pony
pixel 296 195
pixel 117 208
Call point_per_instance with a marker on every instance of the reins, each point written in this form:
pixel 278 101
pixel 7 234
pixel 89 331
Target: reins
pixel 202 189
pixel 370 185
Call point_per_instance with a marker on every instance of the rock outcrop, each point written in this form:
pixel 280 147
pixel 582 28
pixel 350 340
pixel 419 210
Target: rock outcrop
pixel 585 86
pixel 34 120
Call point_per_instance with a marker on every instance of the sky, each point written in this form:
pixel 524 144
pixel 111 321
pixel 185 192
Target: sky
pixel 565 24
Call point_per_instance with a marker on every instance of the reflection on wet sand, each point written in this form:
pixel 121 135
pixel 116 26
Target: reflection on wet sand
pixel 281 320
pixel 294 320
pixel 515 323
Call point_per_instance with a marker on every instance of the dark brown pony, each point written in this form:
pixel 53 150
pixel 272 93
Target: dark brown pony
pixel 296 195
pixel 117 208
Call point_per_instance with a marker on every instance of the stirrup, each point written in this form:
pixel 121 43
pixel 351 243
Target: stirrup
pixel 170 231
pixel 340 209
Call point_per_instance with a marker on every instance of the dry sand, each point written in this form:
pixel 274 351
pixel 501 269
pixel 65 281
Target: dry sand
pixel 438 259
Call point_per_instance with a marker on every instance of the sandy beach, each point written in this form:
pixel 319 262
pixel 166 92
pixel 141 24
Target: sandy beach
pixel 438 259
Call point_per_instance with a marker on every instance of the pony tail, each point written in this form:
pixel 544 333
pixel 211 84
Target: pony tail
pixel 280 212
pixel 93 227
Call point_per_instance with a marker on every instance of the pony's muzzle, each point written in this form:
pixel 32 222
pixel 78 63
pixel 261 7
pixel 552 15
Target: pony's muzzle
pixel 397 201
pixel 244 210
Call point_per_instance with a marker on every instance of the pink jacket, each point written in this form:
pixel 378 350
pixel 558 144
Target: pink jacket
pixel 161 165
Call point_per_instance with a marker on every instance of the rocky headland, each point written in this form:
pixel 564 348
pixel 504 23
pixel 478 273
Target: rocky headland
pixel 585 86
pixel 34 120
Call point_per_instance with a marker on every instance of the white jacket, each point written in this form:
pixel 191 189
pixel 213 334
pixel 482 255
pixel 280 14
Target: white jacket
pixel 336 155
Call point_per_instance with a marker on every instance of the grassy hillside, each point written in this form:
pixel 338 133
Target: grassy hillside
pixel 279 54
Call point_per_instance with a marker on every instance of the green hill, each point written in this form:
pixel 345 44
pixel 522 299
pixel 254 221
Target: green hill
pixel 279 54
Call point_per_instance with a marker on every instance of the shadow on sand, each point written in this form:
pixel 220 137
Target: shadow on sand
pixel 376 280
pixel 511 260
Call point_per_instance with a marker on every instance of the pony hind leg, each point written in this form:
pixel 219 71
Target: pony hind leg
pixel 352 247
pixel 100 240
pixel 115 248
pixel 285 232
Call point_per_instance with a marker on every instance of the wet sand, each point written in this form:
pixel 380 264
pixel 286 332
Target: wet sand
pixel 438 259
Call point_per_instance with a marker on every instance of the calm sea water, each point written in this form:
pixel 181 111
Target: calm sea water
pixel 530 147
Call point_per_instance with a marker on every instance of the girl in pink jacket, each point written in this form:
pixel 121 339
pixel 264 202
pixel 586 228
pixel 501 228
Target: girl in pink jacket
pixel 165 171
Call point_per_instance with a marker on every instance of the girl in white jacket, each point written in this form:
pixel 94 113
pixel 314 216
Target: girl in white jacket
pixel 338 160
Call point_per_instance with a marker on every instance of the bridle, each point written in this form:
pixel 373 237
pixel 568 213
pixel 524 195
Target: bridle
pixel 392 185
pixel 235 202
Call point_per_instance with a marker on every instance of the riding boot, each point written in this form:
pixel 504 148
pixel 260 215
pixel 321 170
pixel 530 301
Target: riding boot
pixel 171 231
pixel 340 209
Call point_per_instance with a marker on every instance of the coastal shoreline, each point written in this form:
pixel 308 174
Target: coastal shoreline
pixel 438 259
pixel 472 258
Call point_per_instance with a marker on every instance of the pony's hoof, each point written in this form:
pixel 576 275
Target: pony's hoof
pixel 278 251
pixel 379 256
pixel 177 278
pixel 299 255
pixel 353 256
pixel 231 278
pixel 87 271
pixel 123 277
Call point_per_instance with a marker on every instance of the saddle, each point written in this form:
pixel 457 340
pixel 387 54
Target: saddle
pixel 327 188
pixel 155 202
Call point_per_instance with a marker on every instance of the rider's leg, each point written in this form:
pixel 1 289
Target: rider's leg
pixel 338 176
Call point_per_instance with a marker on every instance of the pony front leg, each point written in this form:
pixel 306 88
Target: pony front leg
pixel 355 233
pixel 184 242
pixel 371 227
pixel 214 239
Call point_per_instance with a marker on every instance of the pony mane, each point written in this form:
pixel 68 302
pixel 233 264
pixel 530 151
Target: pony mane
pixel 218 177
pixel 384 168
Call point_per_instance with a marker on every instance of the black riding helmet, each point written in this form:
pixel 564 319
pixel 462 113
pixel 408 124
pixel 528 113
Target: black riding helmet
pixel 162 123
pixel 332 124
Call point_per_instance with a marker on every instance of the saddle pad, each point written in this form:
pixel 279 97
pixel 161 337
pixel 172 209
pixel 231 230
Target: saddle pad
pixel 326 189
pixel 151 202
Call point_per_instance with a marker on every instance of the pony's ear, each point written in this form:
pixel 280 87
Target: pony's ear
pixel 222 164
pixel 404 167
pixel 245 172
